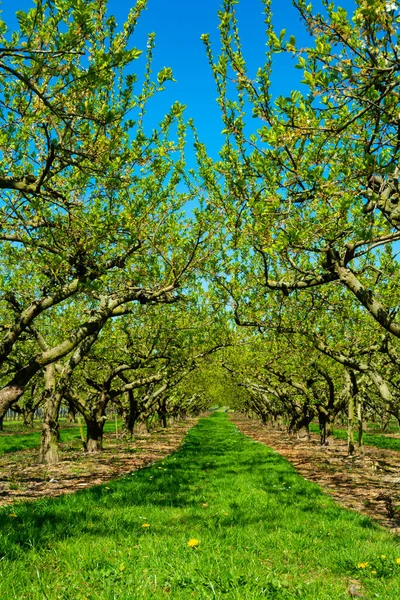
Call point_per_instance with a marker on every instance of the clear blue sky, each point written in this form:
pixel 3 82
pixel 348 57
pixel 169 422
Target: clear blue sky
pixel 178 25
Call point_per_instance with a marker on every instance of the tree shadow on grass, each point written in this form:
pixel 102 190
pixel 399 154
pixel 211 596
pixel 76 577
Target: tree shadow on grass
pixel 182 481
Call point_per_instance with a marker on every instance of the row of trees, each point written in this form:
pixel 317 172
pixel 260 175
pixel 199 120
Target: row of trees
pixel 310 203
pixel 113 291
pixel 98 250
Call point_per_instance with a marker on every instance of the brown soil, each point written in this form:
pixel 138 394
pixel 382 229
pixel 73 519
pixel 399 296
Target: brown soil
pixel 22 478
pixel 369 484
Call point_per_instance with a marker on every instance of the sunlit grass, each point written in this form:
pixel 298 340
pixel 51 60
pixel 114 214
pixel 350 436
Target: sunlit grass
pixel 225 517
pixel 370 439
pixel 14 442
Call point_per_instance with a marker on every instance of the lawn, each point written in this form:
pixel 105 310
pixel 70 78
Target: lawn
pixel 30 438
pixel 225 517
pixel 370 439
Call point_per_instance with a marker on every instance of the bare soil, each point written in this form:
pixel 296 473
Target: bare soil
pixel 23 478
pixel 369 484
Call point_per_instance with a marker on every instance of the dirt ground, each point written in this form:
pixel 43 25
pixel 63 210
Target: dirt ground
pixel 22 478
pixel 368 484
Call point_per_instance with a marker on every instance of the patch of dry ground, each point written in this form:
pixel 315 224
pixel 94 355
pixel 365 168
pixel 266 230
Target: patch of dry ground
pixel 23 478
pixel 368 484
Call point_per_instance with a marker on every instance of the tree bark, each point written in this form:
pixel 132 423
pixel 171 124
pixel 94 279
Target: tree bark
pixel 132 414
pixel 94 439
pixel 360 427
pixel 162 414
pixel 351 393
pixel 49 454
pixel 28 414
pixel 350 425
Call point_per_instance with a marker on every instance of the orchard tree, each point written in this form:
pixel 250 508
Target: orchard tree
pixel 91 216
pixel 307 191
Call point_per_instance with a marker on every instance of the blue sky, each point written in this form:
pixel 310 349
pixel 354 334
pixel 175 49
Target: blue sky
pixel 178 25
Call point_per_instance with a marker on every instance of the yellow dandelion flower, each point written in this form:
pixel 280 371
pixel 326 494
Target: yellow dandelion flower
pixel 373 572
pixel 192 543
pixel 383 555
pixel 362 565
pixel 12 515
pixel 146 525
pixel 398 561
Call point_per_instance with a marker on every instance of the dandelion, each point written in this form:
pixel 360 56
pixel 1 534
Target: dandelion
pixel 122 568
pixel 12 515
pixel 383 555
pixel 373 572
pixel 362 565
pixel 398 561
pixel 145 525
pixel 192 543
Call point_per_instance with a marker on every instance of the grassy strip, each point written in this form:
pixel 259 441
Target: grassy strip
pixel 31 439
pixel 370 439
pixel 225 517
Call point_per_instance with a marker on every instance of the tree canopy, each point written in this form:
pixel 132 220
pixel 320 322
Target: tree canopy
pixel 267 278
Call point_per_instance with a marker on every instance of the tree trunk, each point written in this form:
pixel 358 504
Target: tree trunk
pixel 162 417
pixel 1 423
pixel 350 425
pixel 360 427
pixel 71 416
pixel 94 439
pixel 351 393
pixel 28 414
pixel 49 454
pixel 322 419
pixel 325 420
pixel 300 426
pixel 329 439
pixel 131 416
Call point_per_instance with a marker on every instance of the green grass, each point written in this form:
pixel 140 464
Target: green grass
pixel 263 532
pixel 370 439
pixel 31 437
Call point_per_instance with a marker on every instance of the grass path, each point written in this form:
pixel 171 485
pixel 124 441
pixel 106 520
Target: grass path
pixel 257 530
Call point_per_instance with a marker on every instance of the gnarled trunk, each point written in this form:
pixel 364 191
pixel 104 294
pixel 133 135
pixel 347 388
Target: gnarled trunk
pixel 94 438
pixel 131 415
pixel 28 414
pixel 300 422
pixel 325 420
pixel 162 416
pixel 351 392
pixel 350 426
pixel 49 453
